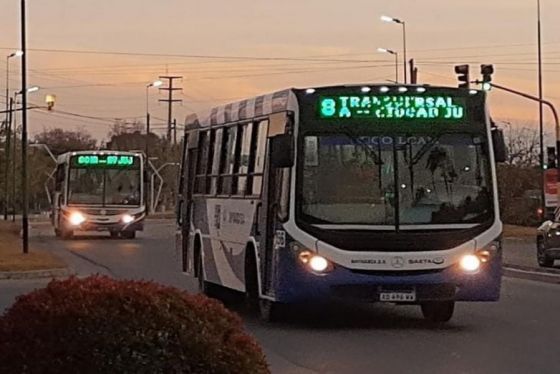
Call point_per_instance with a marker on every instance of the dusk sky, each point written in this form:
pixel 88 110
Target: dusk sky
pixel 346 34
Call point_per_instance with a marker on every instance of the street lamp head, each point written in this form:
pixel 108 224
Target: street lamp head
pixel 155 83
pixel 17 53
pixel 390 19
pixel 385 50
pixel 29 90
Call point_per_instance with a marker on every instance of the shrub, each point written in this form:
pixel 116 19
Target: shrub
pixel 101 325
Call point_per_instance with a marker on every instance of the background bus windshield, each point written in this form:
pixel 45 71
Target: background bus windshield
pixel 104 186
pixel 442 179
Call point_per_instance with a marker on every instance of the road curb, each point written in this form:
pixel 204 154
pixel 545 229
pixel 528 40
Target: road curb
pixel 35 274
pixel 539 275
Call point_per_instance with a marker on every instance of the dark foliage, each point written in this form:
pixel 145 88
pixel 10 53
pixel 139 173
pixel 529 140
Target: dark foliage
pixel 101 325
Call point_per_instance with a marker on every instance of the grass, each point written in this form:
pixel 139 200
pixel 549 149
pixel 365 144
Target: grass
pixel 12 258
pixel 511 231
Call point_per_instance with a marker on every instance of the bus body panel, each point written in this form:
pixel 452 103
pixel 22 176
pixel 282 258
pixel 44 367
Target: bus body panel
pixel 225 226
pixel 297 284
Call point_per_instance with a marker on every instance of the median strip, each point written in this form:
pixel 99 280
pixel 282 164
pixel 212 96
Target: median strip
pixel 534 274
pixel 37 263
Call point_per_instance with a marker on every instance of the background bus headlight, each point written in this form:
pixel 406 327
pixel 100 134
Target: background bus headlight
pixel 77 218
pixel 127 218
pixel 470 263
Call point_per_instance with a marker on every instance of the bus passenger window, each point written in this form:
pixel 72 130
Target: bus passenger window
pixel 200 179
pixel 225 181
pixel 259 157
pixel 244 158
pixel 216 160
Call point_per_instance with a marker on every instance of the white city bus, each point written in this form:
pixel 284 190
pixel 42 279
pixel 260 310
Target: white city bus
pixel 374 193
pixel 99 191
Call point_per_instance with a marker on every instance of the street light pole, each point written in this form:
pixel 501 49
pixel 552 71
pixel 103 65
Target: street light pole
pixel 152 84
pixel 25 200
pixel 404 52
pixel 384 50
pixel 541 125
pixel 403 24
pixel 8 129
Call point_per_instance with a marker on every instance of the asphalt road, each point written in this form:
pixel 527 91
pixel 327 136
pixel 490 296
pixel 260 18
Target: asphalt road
pixel 519 334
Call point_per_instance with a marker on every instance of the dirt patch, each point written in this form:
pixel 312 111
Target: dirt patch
pixel 512 231
pixel 12 257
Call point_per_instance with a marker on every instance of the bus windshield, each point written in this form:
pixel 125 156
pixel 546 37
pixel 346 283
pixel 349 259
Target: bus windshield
pixel 104 186
pixel 438 179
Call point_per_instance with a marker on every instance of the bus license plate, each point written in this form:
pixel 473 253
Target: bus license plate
pixel 397 296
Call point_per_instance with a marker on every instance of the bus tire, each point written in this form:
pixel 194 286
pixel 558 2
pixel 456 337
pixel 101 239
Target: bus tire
pixel 66 234
pixel 268 310
pixel 438 311
pixel 128 234
pixel 57 233
pixel 114 234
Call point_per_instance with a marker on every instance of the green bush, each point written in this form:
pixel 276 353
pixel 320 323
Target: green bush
pixel 101 325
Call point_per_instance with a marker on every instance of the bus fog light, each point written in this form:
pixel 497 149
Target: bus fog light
pixel 470 263
pixel 484 256
pixel 305 256
pixel 127 218
pixel 318 263
pixel 77 218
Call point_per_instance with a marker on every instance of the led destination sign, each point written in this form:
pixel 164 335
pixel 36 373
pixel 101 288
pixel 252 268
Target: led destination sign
pixel 405 107
pixel 104 160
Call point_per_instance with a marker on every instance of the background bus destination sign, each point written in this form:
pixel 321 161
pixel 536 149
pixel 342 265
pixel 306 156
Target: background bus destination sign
pixel 104 160
pixel 407 107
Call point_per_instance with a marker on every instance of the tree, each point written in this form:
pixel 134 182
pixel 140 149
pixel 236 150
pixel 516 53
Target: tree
pixel 523 146
pixel 61 141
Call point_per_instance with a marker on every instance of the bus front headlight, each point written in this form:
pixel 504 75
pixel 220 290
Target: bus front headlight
pixel 127 218
pixel 314 262
pixel 318 264
pixel 76 218
pixel 470 263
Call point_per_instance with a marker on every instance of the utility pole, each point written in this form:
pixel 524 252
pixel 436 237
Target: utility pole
pixel 413 72
pixel 541 130
pixel 175 131
pixel 7 166
pixel 24 192
pixel 170 100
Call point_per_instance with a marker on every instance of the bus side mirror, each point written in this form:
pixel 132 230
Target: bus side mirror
pixel 499 144
pixel 282 151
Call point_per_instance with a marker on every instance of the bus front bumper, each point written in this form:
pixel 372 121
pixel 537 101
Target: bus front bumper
pixel 92 224
pixel 296 284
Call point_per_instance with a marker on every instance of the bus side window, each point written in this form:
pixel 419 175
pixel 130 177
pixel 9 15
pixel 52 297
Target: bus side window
pixel 216 160
pixel 258 158
pixel 244 157
pixel 227 166
pixel 201 165
pixel 59 180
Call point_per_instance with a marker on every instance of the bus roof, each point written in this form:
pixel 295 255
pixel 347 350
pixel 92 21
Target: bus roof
pixel 279 101
pixel 65 157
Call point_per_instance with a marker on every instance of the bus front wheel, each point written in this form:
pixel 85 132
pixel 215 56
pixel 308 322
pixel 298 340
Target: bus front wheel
pixel 128 234
pixel 267 310
pixel 66 234
pixel 438 311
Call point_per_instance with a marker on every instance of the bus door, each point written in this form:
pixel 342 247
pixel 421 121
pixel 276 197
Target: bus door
pixel 274 179
pixel 185 203
pixel 57 196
